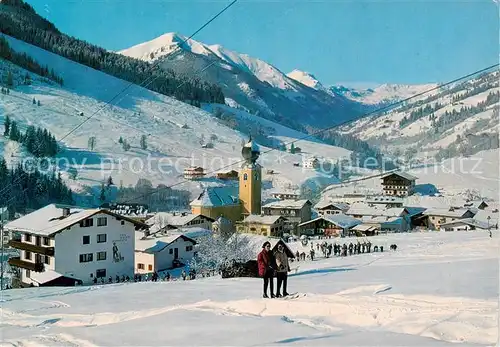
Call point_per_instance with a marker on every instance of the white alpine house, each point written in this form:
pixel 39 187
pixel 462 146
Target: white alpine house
pixel 62 245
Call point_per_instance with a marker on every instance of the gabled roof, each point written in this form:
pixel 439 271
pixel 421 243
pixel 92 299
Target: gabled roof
pixel 295 204
pixel 162 219
pixel 444 212
pixel 400 174
pixel 216 197
pixel 340 220
pixel 49 220
pixel 152 244
pixel 262 219
pixel 337 205
pixel 385 200
pixel 468 221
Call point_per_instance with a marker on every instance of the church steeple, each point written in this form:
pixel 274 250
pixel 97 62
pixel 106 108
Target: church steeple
pixel 250 177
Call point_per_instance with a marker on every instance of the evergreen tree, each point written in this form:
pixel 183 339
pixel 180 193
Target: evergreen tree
pixel 14 134
pixel 120 140
pixel 38 103
pixel 102 196
pixel 292 148
pixel 144 144
pixel 34 101
pixel 91 143
pixel 125 145
pixel 7 126
pixel 110 181
pixel 10 79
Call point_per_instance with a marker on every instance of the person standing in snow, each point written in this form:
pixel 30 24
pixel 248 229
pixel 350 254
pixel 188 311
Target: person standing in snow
pixel 283 268
pixel 266 264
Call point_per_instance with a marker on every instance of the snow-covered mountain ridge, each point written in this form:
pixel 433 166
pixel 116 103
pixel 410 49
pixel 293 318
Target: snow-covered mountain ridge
pixel 136 113
pixel 249 83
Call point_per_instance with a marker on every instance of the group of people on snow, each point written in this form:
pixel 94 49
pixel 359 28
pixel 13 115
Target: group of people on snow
pixel 327 249
pixel 273 264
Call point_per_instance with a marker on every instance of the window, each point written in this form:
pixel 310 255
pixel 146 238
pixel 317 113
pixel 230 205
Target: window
pixel 46 241
pixel 101 238
pixel 86 223
pixel 86 239
pixel 189 248
pixel 140 266
pixel 170 251
pixel 27 255
pixel 102 221
pixel 27 237
pixel 123 222
pixel 100 273
pixel 150 267
pixel 245 177
pixel 28 273
pixel 38 241
pixel 86 258
pixel 47 260
pixel 101 255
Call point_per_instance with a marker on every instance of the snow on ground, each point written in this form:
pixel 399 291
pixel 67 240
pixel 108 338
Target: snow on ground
pixel 452 177
pixel 437 289
pixel 174 129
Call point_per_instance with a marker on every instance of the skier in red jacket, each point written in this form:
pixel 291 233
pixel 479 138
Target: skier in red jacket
pixel 267 265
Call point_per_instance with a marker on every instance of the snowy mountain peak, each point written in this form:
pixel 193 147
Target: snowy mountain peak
pixel 306 78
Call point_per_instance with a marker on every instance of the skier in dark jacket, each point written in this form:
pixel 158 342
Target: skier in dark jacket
pixel 267 265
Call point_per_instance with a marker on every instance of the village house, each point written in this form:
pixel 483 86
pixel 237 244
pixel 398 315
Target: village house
pixel 165 221
pixel 227 175
pixel 285 194
pixel 194 172
pixel 398 184
pixel 465 224
pixel 262 225
pixel 295 211
pixel 326 208
pixel 385 201
pixel 395 219
pixel 310 163
pixel 138 212
pixel 349 198
pixel 329 225
pixel 155 253
pixel 223 226
pixel 480 205
pixel 66 245
pixel 435 217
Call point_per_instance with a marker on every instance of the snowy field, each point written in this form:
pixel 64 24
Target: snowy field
pixel 437 289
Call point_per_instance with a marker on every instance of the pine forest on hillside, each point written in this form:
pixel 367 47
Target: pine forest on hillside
pixel 20 21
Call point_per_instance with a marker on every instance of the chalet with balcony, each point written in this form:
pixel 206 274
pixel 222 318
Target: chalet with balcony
pixel 194 172
pixel 330 225
pixel 398 184
pixel 265 225
pixel 436 217
pixel 326 208
pixel 67 245
pixel 295 211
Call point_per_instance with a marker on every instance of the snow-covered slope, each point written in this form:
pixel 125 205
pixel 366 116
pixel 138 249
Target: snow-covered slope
pixel 174 129
pixel 383 94
pixel 437 289
pixel 448 123
pixel 248 83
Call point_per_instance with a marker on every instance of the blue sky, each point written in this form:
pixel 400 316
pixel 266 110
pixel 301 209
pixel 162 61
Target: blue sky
pixel 354 41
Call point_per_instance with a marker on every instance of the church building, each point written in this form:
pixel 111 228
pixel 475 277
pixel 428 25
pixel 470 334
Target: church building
pixel 235 203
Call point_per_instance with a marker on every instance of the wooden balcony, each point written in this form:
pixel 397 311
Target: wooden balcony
pixel 17 262
pixel 32 248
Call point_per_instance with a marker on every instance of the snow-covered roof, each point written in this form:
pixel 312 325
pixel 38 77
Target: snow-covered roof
pixel 153 244
pixel 337 205
pixel 384 219
pixel 384 200
pixel 364 227
pixel 294 204
pixel 444 212
pixel 50 220
pixel 340 220
pixel 262 219
pixel 366 210
pixel 45 276
pixel 468 221
pixel 482 215
pixel 401 174
pixel 162 219
pixel 194 233
pixel 216 197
